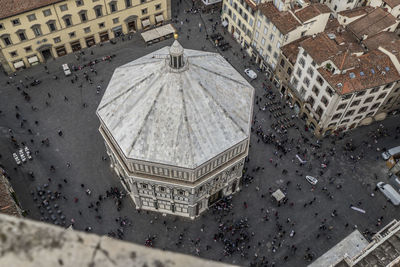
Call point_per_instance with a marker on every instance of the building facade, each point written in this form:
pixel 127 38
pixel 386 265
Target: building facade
pixel 177 137
pixel 340 5
pixel 36 31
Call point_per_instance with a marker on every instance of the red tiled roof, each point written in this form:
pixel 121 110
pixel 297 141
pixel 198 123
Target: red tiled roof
pixel 312 11
pixel 284 21
pixel 380 39
pixel 10 8
pixel 392 3
pixel 355 12
pixel 371 69
pixel 291 50
pixel 371 24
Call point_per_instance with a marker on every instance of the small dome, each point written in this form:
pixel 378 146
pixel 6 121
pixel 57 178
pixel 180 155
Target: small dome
pixel 176 49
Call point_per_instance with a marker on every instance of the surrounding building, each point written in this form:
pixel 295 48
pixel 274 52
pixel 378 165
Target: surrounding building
pixel 31 243
pixel 36 31
pixel 279 25
pixel 383 250
pixel 341 5
pixel 177 133
pixel 8 199
pixel 392 6
pixel 238 16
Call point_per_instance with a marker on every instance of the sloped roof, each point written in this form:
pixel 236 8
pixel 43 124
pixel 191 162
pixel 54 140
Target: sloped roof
pixel 181 118
pixel 372 23
pixel 10 8
pixel 392 3
pixel 311 11
pixel 355 12
pixel 283 20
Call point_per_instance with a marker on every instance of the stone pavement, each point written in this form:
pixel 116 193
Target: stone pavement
pixel 317 217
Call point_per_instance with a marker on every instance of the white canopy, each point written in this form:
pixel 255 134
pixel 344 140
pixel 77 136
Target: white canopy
pixel 158 32
pixel 278 195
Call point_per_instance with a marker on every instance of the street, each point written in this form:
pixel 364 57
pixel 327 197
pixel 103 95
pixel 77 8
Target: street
pixel 249 229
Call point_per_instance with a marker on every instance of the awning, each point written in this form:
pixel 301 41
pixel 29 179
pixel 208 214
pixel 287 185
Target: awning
pixel 19 64
pixel 146 22
pixel 118 28
pixel 159 18
pixel 158 32
pixel 236 35
pixel 33 59
pixel 224 23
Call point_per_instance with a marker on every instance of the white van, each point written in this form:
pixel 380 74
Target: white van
pixel 66 69
pixel 389 192
pixel 391 152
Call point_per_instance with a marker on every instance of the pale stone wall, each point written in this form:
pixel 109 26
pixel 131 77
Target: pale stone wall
pixel 28 243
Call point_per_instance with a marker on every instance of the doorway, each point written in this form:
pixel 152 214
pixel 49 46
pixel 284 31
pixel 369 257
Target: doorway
pixel 215 198
pixel 131 26
pixel 234 186
pixel 46 53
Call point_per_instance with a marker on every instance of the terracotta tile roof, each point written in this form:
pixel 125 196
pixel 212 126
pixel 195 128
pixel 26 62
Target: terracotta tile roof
pixel 332 25
pixel 379 39
pixel 7 204
pixel 372 23
pixel 312 11
pixel 320 48
pixel 291 50
pixel 355 12
pixel 371 69
pixel 392 3
pixel 10 8
pixel 284 21
pixel 393 47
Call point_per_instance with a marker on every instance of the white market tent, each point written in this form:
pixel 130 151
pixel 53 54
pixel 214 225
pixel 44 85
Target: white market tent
pixel 158 34
pixel 278 195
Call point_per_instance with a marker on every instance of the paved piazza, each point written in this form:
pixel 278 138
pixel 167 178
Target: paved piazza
pixel 249 229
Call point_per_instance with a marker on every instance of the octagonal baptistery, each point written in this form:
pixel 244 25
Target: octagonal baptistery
pixel 176 125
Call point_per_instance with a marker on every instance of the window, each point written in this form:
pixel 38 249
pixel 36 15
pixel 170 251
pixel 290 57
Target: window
pixel 86 30
pixel 158 7
pixel 302 92
pixel 28 49
pixel 67 20
pixel 144 186
pixel 349 113
pixel 13 54
pixel 332 124
pixel 355 103
pixel 311 72
pixel 324 100
pixel 298 72
pixel 341 106
pixel 369 99
pixel 320 80
pixel 306 81
pixel 360 93
pixel 15 22
pixel 144 11
pixel 329 91
pixel 274 28
pixel 363 109
pixel 315 90
pixel 269 48
pixel 336 116
pixel 162 188
pixel 79 2
pixel 387 86
pixel 311 100
pixel 258 23
pixel 102 25
pixel 282 63
pixel 71 34
pixel 295 82
pixel 31 17
pixel 263 41
pixel 289 71
pixel 57 39
pixel 21 35
pixel 113 7
pixel 265 30
pixel 381 96
pixel 302 62
pixel 374 90
pixel 278 45
pixel 1 26
pixel 36 30
pixel 369 114
pixel 52 25
pixel 128 3
pixel 64 7
pixel 47 12
pixel 115 20
pixel 345 121
pixel 320 111
pixel 251 22
pixel 275 55
pixel 6 39
pixel 357 118
pixel 271 37
pixel 83 15
pixel 375 106
pixel 98 10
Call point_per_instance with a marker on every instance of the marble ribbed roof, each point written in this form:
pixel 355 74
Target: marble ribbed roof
pixel 177 117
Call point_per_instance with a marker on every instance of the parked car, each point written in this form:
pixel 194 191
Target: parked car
pixel 389 192
pixel 391 152
pixel 16 158
pixel 311 180
pixel 250 73
pixel 66 69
